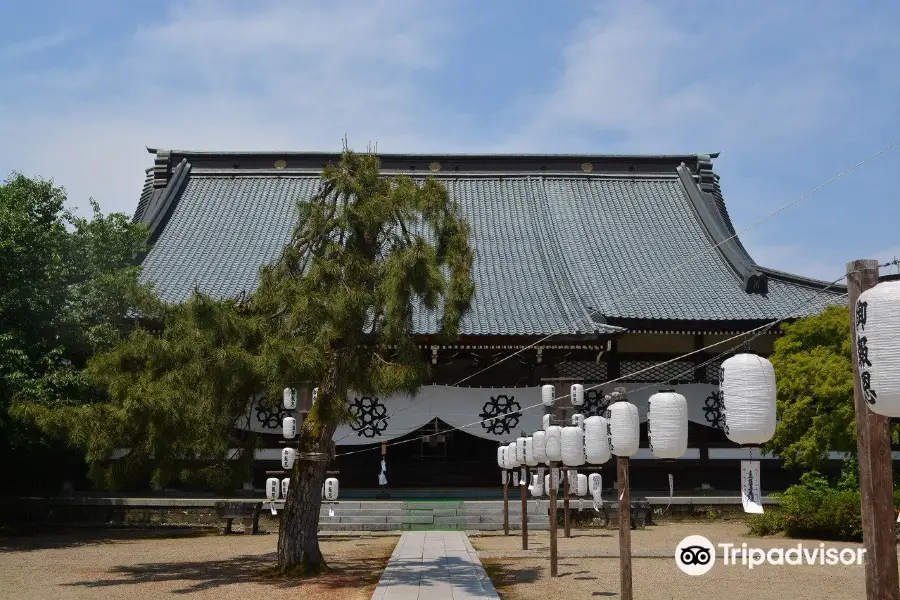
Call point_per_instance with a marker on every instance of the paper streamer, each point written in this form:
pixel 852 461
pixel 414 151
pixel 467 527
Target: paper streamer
pixel 515 478
pixel 523 478
pixel 554 478
pixel 751 492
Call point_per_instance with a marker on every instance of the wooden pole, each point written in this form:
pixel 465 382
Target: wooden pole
pixel 624 528
pixel 567 531
pixel 524 488
pixel 553 567
pixel 874 445
pixel 505 502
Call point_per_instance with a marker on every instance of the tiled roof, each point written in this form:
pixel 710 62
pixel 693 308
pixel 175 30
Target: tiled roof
pixel 613 238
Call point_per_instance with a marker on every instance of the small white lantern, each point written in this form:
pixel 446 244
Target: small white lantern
pixel 582 487
pixel 537 486
pixel 595 486
pixel 623 428
pixel 511 458
pixel 315 395
pixel 520 451
pixel 547 484
pixel 667 424
pixel 530 458
pixel 747 382
pixel 877 321
pixel 545 422
pixel 572 446
pixel 331 489
pixel 284 486
pixel 576 394
pixel 289 427
pixel 288 455
pixel 501 457
pixel 578 420
pixel 539 438
pixel 547 395
pixel 554 443
pixel 596 442
pixel 290 398
pixel 272 487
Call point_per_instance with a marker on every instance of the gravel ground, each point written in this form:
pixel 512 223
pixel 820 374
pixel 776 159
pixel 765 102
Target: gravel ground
pixel 139 565
pixel 588 567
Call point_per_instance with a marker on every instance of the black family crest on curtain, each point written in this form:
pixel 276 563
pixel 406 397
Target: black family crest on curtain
pixel 369 416
pixel 503 412
pixel 270 417
pixel 713 410
pixel 594 403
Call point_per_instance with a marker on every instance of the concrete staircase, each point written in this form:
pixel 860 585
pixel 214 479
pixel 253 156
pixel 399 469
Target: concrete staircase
pixel 476 515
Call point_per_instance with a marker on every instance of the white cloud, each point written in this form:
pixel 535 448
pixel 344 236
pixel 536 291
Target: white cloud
pixel 239 77
pixel 17 50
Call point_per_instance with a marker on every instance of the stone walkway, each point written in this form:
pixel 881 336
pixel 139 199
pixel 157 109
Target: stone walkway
pixel 434 565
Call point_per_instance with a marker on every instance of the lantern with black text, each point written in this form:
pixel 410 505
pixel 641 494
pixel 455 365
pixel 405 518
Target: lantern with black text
pixel 623 428
pixel 877 320
pixel 331 489
pixel 272 488
pixel 288 455
pixel 289 427
pixel 572 446
pixel 548 395
pixel 576 394
pixel 290 398
pixel 539 440
pixel 596 442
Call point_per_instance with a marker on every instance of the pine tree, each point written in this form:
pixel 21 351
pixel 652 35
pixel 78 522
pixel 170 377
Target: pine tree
pixel 369 257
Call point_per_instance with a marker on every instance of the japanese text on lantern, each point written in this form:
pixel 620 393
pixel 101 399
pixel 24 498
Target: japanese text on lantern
pixel 862 352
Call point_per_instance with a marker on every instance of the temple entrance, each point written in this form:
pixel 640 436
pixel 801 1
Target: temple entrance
pixel 435 456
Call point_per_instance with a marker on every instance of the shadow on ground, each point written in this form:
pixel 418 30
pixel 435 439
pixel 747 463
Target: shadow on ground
pixel 46 538
pixel 505 573
pixel 210 574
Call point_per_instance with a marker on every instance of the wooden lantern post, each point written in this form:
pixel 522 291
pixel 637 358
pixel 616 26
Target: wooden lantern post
pixel 567 531
pixel 622 468
pixel 505 502
pixel 553 552
pixel 523 480
pixel 874 445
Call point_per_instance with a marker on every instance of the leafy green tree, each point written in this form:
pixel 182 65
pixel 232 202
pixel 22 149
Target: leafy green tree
pixel 368 256
pixel 66 285
pixel 813 367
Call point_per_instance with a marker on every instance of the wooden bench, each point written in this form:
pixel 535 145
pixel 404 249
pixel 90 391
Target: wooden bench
pixel 641 513
pixel 246 512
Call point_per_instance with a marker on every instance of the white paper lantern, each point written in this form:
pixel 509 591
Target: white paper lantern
pixel 285 483
pixel 290 398
pixel 545 422
pixel 530 458
pixel 540 446
pixel 578 420
pixel 548 395
pixel 520 451
pixel 331 489
pixel 537 486
pixel 288 455
pixel 572 446
pixel 315 395
pixel 272 487
pixel 289 427
pixel 878 342
pixel 501 457
pixel 576 394
pixel 623 428
pixel 513 456
pixel 595 486
pixel 667 424
pixel 554 443
pixel 747 382
pixel 596 442
pixel 582 487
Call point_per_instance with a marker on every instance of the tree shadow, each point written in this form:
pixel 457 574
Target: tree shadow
pixel 49 538
pixel 504 573
pixel 197 576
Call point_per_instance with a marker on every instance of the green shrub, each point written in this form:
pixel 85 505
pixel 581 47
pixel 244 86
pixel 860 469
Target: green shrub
pixel 768 523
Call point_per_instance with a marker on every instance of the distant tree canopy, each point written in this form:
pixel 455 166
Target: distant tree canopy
pixel 67 284
pixel 814 371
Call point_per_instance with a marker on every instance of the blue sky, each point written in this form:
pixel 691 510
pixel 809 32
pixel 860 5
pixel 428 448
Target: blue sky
pixel 791 93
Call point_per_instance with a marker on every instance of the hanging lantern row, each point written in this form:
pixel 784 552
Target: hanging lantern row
pixel 878 347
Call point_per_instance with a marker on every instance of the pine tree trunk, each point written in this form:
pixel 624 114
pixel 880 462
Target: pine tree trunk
pixel 298 538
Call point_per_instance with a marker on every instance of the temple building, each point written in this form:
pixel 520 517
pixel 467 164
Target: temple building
pixel 588 269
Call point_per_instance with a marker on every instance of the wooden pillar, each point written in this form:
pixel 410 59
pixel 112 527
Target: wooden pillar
pixel 553 557
pixel 567 531
pixel 505 502
pixel 875 476
pixel 523 486
pixel 624 527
